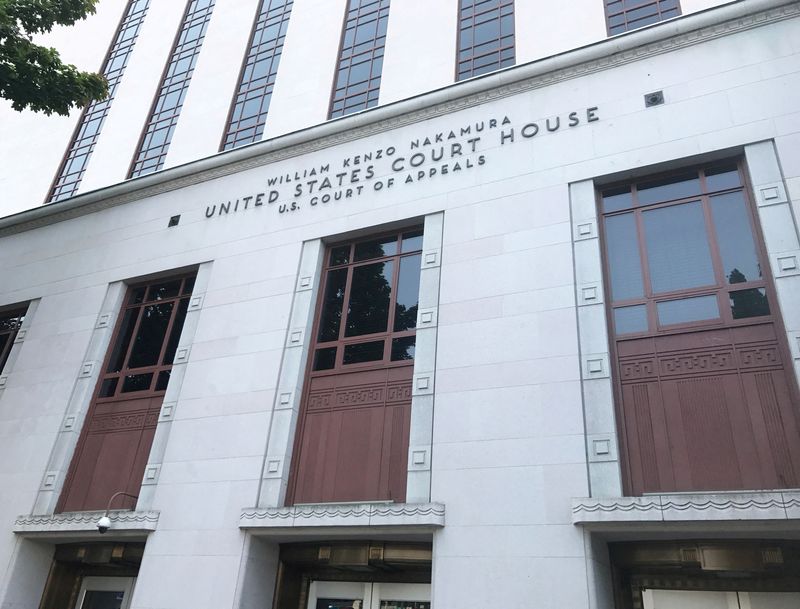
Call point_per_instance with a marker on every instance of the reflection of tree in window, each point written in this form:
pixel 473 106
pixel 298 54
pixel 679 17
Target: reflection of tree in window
pixel 370 293
pixel 747 303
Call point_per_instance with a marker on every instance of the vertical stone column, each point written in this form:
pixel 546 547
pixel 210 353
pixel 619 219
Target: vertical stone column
pixel 779 227
pixel 605 478
pixel 418 485
pixel 79 401
pixel 286 409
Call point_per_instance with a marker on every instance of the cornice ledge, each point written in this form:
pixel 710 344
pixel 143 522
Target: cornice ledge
pixel 84 522
pixel 606 54
pixel 345 515
pixel 768 505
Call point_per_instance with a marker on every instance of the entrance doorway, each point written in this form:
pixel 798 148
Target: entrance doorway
pixel 105 593
pixel 368 595
pixel 685 599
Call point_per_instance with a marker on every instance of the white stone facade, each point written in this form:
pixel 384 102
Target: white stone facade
pixel 513 409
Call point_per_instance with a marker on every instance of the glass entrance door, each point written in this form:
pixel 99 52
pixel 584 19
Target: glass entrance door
pixel 357 595
pixel 105 593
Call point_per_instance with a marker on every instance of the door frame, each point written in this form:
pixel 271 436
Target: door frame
pixel 372 592
pixel 107 584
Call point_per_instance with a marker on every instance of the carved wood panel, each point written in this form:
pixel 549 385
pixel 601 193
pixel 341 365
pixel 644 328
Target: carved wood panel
pixel 111 455
pixel 115 441
pixel 701 419
pixel 354 437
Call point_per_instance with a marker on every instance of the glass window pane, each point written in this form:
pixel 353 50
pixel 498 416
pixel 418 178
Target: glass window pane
pixel 325 359
pixel 678 253
pixel 669 189
pixel 405 605
pixel 123 340
pixel 96 599
pixel 137 382
pixel 405 313
pixel 175 334
pixel 749 303
pixel 403 348
pixel 736 244
pixel 412 241
pixel 161 291
pixel 340 255
pixel 188 285
pixel 370 292
pixel 722 178
pixel 150 337
pixel 108 387
pixel 332 306
pixel 331 603
pixel 630 319
pixel 376 249
pixel 685 310
pixel 137 296
pixel 163 380
pixel 363 352
pixel 617 199
pixel 622 246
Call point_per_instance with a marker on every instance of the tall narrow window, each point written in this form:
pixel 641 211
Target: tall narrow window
pixel 172 91
pixel 251 103
pixel 352 443
pixel 358 74
pixel 485 36
pixel 704 378
pixel 10 323
pixel 83 142
pixel 115 441
pixel 624 15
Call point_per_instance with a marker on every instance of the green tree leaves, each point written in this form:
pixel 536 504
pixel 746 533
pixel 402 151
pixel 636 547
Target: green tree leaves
pixel 33 76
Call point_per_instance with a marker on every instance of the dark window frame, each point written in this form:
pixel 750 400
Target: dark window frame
pixel 16 315
pixel 720 288
pixel 65 185
pixel 463 15
pixel 355 10
pixel 184 293
pixel 256 52
pixel 158 120
pixel 342 341
pixel 626 26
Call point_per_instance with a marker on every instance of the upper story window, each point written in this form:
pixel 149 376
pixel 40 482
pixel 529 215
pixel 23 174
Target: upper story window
pixel 251 103
pixel 10 323
pixel 358 73
pixel 624 15
pixel 147 338
pixel 682 250
pixel 369 303
pixel 485 36
pixel 83 142
pixel 705 392
pixel 167 106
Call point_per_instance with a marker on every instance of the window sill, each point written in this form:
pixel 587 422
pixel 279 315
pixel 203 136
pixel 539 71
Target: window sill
pixel 614 512
pixel 80 524
pixel 361 516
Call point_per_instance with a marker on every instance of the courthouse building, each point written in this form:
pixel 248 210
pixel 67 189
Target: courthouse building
pixel 400 304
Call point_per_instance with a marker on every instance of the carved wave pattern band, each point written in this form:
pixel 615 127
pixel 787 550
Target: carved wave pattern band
pixel 89 519
pixel 742 506
pixel 344 513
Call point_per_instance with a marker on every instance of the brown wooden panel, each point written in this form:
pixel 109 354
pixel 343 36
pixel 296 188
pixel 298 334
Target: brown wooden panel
pixel 115 441
pixel 721 415
pixel 111 456
pixel 705 394
pixel 354 437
